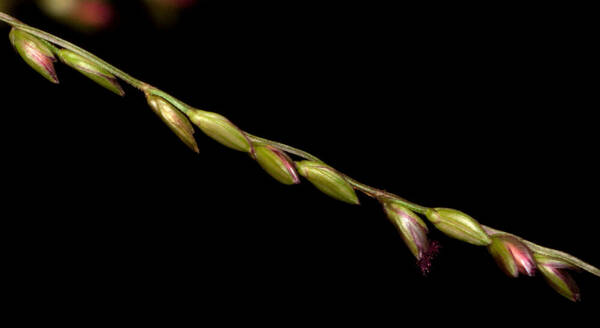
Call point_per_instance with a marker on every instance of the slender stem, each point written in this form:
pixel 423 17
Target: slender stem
pixel 284 147
pixel 185 108
pixel 384 195
pixel 378 194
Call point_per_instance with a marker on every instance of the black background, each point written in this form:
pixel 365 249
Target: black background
pixel 487 110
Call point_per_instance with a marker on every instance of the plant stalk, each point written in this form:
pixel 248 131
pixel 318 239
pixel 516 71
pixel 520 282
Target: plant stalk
pixel 378 194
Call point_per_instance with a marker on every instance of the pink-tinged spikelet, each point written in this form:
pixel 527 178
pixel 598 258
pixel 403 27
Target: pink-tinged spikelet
pixel 414 233
pixel 555 273
pixel 35 52
pixel 277 164
pixel 512 256
pixel 522 257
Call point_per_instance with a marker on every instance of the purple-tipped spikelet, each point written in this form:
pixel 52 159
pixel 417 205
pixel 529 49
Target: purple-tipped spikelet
pixel 512 256
pixel 174 119
pixel 35 53
pixel 555 274
pixel 413 231
pixel 277 164
pixel 91 70
pixel 410 226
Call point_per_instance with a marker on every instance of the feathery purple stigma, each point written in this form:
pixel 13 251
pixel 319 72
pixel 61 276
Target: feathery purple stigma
pixel 424 262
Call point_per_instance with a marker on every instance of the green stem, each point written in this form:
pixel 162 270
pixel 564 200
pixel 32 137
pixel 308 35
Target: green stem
pixel 384 195
pixel 378 194
pixel 185 108
pixel 284 147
